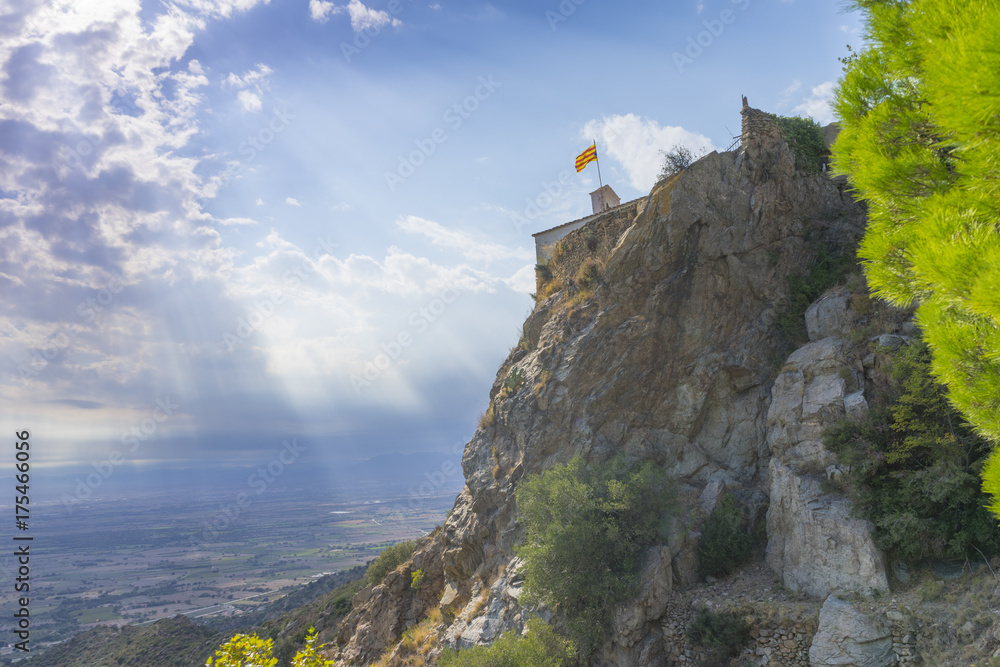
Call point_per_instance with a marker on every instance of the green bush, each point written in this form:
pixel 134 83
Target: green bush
pixel 585 528
pixel 914 467
pixel 722 633
pixel 541 647
pixel 724 542
pixel 676 160
pixel 388 560
pixel 805 137
pixel 417 580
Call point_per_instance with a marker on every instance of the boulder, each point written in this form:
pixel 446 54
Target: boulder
pixel 830 315
pixel 847 637
pixel 814 544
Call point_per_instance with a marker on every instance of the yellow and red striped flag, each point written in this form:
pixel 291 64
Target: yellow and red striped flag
pixel 586 157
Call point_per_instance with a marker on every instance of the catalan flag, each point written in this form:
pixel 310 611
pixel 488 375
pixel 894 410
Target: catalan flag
pixel 586 157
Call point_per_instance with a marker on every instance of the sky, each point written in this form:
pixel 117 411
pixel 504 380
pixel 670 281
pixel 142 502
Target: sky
pixel 227 225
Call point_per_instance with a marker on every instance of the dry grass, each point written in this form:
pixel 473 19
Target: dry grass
pixel 417 644
pixel 488 419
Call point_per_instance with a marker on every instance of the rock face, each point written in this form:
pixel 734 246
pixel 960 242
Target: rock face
pixel 815 546
pixel 846 637
pixel 672 359
pixel 381 613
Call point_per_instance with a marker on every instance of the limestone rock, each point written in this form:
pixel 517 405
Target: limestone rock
pixel 830 315
pixel 814 544
pixel 807 396
pixel 848 637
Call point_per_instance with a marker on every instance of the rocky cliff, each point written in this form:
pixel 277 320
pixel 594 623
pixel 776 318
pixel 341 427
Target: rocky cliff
pixel 667 348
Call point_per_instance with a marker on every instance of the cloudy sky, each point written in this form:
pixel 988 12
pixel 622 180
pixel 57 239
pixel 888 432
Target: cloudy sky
pixel 225 223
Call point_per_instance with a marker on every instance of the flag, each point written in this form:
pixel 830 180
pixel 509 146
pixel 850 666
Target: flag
pixel 586 157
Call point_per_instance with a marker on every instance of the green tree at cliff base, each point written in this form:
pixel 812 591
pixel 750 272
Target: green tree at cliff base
pixel 585 529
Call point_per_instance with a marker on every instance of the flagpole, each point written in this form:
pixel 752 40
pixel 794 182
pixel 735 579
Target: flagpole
pixel 600 182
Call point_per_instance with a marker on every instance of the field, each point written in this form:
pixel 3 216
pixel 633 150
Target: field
pixel 136 561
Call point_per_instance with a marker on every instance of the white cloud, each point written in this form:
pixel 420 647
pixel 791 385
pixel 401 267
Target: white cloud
pixel 236 221
pixel 785 97
pixel 471 249
pixel 292 201
pixel 250 101
pixel 251 86
pixel 363 18
pixel 636 143
pixel 523 280
pixel 817 105
pixel 259 202
pixel 321 11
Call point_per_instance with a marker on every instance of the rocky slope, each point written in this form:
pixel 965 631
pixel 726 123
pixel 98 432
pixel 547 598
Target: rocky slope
pixel 675 357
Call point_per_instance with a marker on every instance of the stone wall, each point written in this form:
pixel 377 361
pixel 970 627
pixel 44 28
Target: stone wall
pixel 593 240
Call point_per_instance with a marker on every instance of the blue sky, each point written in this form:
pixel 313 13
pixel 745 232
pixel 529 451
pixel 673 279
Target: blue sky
pixel 227 210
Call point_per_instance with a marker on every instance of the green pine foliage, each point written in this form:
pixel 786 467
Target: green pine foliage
pixel 914 468
pixel 541 647
pixel 585 529
pixel 725 544
pixel 920 141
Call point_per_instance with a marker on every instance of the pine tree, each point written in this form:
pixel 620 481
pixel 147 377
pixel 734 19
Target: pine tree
pixel 920 142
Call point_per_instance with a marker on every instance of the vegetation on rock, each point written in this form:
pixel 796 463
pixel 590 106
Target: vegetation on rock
pixel 919 141
pixel 585 528
pixel 805 137
pixel 676 160
pixel 252 651
pixel 725 544
pixel 722 633
pixel 388 560
pixel 914 467
pixel 541 647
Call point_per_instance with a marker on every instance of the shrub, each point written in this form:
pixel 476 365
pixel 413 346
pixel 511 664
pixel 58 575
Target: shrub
pixel 417 579
pixel 252 651
pixel 388 560
pixel 724 542
pixel 676 160
pixel 585 528
pixel 805 137
pixel 515 380
pixel 722 633
pixel 543 272
pixel 541 647
pixel 914 467
pixel 588 275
